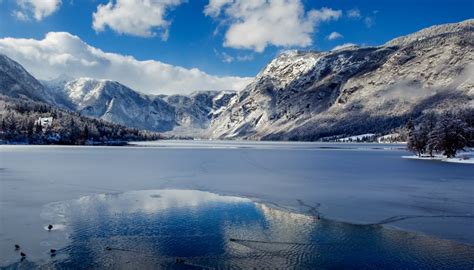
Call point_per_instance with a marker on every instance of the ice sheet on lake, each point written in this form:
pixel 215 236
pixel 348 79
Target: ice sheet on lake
pixel 360 185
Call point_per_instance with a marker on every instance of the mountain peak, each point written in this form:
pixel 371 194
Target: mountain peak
pixel 309 95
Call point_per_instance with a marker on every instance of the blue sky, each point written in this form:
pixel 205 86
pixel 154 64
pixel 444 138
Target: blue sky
pixel 201 40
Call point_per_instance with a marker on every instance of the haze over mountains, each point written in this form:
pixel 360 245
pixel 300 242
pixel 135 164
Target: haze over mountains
pixel 297 96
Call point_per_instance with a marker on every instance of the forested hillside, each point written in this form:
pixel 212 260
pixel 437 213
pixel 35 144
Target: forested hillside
pixel 19 124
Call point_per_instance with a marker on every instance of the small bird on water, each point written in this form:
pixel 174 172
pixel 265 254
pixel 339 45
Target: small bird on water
pixel 53 251
pixel 50 227
pixel 22 254
pixel 17 247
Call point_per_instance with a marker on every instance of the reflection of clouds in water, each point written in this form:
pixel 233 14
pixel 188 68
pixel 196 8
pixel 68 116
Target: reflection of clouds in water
pixel 147 228
pixel 153 201
pixel 281 216
pixel 105 218
pixel 274 225
pixel 287 226
pixel 94 207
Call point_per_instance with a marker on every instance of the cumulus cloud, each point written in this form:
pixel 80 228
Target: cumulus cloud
pixel 63 53
pixel 256 24
pixel 135 17
pixel 334 36
pixel 39 9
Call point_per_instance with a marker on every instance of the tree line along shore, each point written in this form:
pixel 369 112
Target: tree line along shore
pixel 21 123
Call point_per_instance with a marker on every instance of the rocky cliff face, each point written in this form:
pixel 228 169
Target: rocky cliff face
pixel 309 95
pixel 194 112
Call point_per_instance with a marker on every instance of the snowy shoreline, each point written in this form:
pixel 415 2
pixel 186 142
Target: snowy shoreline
pixel 464 158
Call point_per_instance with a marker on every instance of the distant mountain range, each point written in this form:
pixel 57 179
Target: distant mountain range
pixel 297 96
pixel 114 102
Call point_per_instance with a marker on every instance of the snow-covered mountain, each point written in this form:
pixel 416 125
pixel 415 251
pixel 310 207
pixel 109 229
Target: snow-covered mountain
pixel 16 82
pixel 354 90
pixel 297 96
pixel 194 112
pixel 188 115
pixel 112 101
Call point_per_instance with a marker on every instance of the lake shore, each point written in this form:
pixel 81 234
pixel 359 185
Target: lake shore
pixel 463 158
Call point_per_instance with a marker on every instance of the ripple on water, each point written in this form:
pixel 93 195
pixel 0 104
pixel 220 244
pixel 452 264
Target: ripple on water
pixel 163 228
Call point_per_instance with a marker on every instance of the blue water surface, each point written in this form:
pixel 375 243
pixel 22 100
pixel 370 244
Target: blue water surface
pixel 188 229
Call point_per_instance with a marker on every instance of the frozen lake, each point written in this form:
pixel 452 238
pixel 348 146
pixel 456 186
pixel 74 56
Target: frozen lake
pixel 354 183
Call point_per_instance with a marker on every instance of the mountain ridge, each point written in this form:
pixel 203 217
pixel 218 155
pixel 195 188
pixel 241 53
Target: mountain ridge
pixel 299 95
pixel 112 101
pixel 311 95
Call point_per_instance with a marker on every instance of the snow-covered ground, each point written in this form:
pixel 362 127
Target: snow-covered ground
pixel 357 138
pixel 357 183
pixel 281 145
pixel 463 157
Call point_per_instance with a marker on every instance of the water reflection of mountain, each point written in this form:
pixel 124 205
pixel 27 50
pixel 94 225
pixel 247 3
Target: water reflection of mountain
pixel 167 228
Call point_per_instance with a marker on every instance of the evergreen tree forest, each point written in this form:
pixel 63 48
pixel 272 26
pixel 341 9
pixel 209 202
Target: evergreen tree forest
pixel 19 124
pixel 445 134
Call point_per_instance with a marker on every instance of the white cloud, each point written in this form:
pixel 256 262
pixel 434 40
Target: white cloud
pixel 245 57
pixel 369 21
pixel 40 9
pixel 354 13
pixel 20 15
pixel 63 53
pixel 135 17
pixel 227 58
pixel 256 24
pixel 214 7
pixel 343 46
pixel 334 36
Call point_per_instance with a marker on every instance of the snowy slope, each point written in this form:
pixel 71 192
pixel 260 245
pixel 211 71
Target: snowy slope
pixel 354 90
pixel 195 111
pixel 112 101
pixel 16 82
